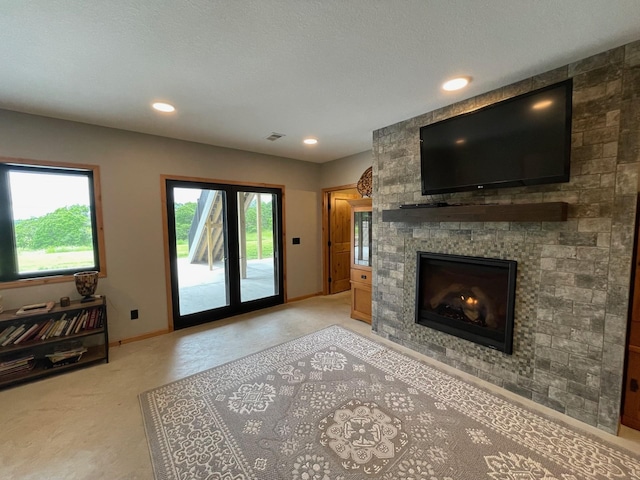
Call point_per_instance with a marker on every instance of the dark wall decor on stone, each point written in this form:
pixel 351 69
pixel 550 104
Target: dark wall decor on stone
pixel 573 277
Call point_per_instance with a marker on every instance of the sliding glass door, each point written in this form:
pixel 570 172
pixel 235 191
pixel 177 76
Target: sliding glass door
pixel 258 266
pixel 225 249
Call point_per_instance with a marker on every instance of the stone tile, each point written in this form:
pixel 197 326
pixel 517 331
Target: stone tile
pixel 576 294
pixel 615 329
pixel 582 415
pixel 590 170
pixel 608 414
pixel 578 238
pixel 601 135
pixel 585 392
pixel 559 251
pixel 543 364
pixel 523 392
pixel 597 282
pixel 548 402
pixel 611 383
pixel 587 337
pixel 550 379
pixel 553 355
pixel 627 179
pixel 557 278
pixel 566 398
pixel 618 300
pixel 585 153
pixel 574 265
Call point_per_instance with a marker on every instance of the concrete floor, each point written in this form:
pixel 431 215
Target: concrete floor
pixel 203 289
pixel 87 424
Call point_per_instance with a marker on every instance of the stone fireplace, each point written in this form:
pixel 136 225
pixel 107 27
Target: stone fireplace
pixel 573 277
pixel 468 297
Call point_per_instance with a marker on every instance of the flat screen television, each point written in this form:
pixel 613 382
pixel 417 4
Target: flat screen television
pixel 525 140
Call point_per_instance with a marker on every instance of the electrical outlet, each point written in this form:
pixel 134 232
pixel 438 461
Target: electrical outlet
pixel 134 314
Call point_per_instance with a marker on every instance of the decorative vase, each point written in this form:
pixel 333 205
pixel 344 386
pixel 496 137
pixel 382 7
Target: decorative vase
pixel 86 284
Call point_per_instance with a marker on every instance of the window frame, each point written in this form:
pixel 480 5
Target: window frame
pixel 6 220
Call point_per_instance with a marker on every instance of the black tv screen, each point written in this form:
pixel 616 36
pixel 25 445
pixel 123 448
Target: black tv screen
pixel 525 140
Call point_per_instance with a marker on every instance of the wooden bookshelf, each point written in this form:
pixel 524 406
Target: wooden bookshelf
pixel 529 212
pixel 90 336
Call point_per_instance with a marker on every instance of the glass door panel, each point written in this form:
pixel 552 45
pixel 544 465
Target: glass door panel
pixel 362 238
pixel 257 259
pixel 224 244
pixel 202 277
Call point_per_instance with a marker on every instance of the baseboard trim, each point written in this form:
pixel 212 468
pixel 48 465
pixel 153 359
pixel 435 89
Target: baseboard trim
pixel 304 297
pixel 144 336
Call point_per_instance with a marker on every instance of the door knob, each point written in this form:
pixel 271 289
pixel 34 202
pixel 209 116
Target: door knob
pixel 634 385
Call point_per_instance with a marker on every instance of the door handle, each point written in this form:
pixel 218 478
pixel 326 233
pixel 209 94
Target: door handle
pixel 633 385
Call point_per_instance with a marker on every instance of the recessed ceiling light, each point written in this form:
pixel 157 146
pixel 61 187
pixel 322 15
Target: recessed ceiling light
pixel 455 84
pixel 310 141
pixel 164 107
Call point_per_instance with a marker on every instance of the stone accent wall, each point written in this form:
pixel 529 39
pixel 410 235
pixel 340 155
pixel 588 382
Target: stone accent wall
pixel 573 277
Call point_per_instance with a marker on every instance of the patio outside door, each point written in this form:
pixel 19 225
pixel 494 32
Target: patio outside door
pixel 224 244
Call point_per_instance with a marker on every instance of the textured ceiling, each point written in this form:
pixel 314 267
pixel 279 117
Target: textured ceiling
pixel 238 70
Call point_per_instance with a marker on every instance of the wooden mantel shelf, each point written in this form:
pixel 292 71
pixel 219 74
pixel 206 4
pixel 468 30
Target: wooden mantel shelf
pixel 529 212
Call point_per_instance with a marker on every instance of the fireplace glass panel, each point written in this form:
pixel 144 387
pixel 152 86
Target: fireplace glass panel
pixel 470 297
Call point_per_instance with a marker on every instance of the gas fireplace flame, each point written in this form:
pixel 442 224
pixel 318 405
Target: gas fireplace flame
pixel 472 304
pixel 470 301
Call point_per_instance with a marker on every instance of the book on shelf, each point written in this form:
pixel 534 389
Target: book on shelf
pixel 6 332
pixel 27 333
pixel 17 364
pixel 11 338
pixel 60 328
pixel 47 332
pixel 65 355
pixel 55 327
pixel 81 321
pixel 98 323
pixel 70 328
pixel 34 335
pixel 36 308
pixel 43 329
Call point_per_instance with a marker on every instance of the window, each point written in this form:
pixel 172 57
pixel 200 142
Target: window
pixel 50 221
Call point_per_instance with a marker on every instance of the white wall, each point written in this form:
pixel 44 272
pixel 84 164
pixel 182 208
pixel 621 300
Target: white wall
pixel 130 167
pixel 303 211
pixel 345 171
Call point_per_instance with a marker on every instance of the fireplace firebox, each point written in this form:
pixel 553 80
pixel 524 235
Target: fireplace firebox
pixel 469 297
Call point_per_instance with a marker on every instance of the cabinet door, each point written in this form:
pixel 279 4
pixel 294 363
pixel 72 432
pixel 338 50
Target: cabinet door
pixel 631 411
pixel 361 301
pixel 362 237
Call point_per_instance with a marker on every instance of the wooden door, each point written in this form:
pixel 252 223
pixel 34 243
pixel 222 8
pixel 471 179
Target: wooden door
pixel 631 405
pixel 340 241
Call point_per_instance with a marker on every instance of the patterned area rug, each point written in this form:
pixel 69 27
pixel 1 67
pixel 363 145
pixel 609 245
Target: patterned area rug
pixel 334 405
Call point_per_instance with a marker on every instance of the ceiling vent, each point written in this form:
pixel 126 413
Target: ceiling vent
pixel 275 136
